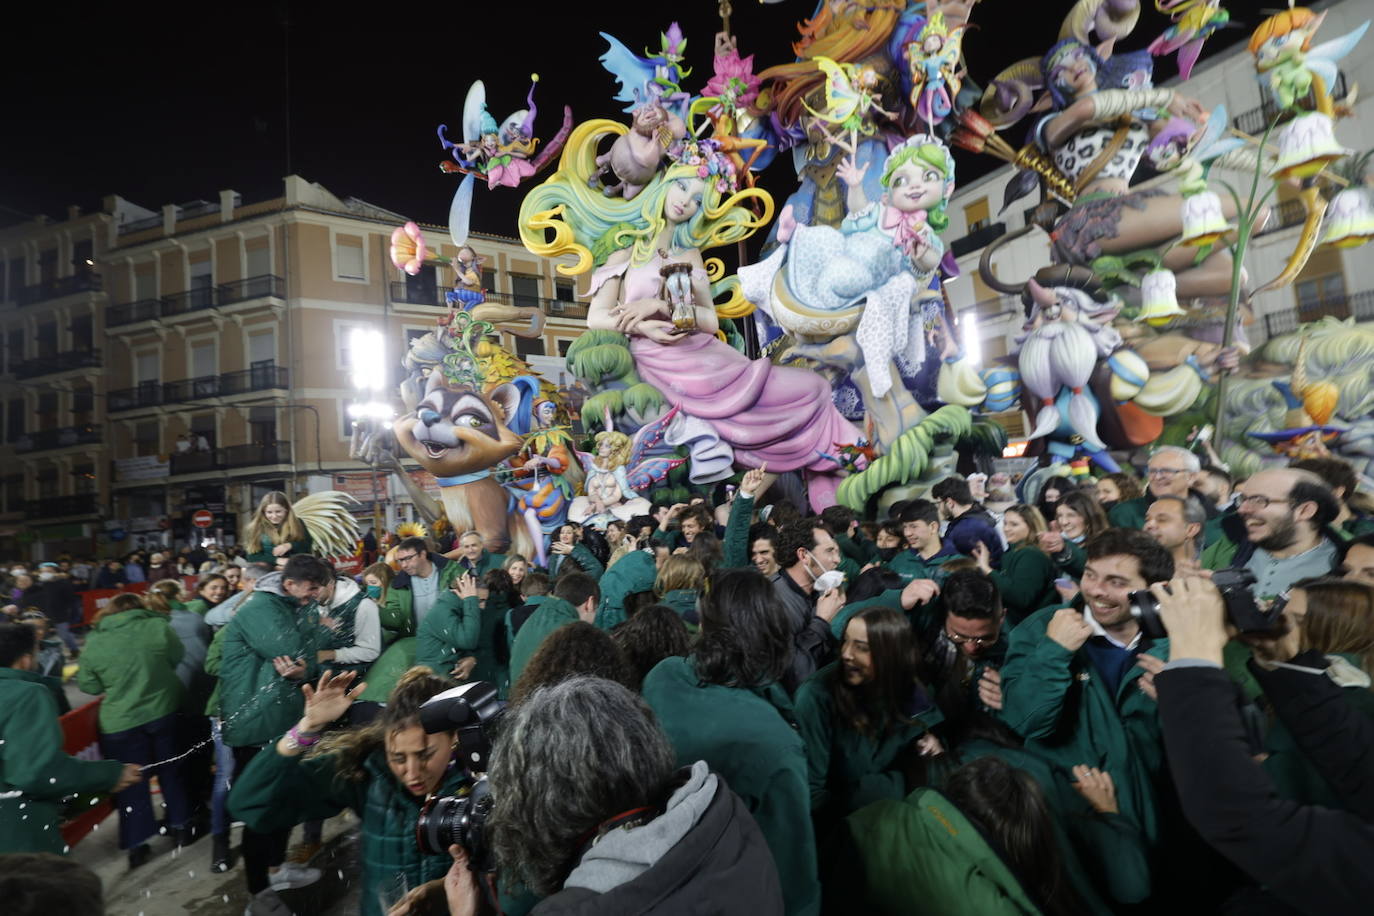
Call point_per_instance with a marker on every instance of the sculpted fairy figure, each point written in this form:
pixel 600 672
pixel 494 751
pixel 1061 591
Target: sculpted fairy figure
pixel 732 410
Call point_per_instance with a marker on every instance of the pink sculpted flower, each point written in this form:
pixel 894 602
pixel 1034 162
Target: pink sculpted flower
pixel 408 251
pixel 734 80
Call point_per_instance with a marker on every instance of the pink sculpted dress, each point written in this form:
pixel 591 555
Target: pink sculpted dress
pixel 767 414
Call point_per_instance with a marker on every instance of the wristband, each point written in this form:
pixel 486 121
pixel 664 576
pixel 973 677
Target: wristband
pixel 302 739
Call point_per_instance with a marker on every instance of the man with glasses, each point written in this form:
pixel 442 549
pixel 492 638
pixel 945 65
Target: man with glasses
pixel 1284 534
pixel 424 576
pixel 967 646
pixel 1169 473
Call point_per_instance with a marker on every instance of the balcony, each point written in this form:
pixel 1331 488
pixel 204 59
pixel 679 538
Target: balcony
pixel 58 362
pixel 228 384
pixel 86 281
pixel 402 292
pixel 47 439
pixel 232 457
pixel 57 506
pixel 978 238
pixel 195 300
pixel 1359 306
pixel 1286 213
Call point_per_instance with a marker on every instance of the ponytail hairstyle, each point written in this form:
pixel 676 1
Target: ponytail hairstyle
pixel 125 602
pixel 352 746
pixel 162 596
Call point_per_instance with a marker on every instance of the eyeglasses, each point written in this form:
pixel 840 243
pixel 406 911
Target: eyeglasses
pixel 1262 502
pixel 407 558
pixel 1163 472
pixel 978 641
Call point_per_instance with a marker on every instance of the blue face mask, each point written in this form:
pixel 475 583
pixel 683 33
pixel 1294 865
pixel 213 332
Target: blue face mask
pixel 374 591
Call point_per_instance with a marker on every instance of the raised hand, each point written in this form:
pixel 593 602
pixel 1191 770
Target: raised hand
pixel 1097 787
pixel 330 698
pixel 1069 629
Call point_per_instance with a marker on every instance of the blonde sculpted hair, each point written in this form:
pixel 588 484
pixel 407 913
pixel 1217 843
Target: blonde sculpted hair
pixel 590 226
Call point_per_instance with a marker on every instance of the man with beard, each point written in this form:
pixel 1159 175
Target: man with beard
pixel 1077 683
pixel 1066 334
pixel 1286 513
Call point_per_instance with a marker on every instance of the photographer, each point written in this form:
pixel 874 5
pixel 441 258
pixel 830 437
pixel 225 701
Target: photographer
pixel 642 837
pixel 1312 858
pixel 383 772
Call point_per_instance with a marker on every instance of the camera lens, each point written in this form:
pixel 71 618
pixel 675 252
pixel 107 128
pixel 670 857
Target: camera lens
pixel 1145 609
pixel 440 826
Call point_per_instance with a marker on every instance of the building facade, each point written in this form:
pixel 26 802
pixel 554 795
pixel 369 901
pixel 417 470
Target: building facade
pixel 159 364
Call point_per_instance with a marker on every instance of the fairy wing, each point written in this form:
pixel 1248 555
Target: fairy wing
pixel 329 521
pixel 841 98
pixel 460 211
pixel 515 124
pixel 1211 144
pixel 473 107
pixel 1321 60
pixel 650 472
pixel 630 70
pixel 586 460
pixel 649 439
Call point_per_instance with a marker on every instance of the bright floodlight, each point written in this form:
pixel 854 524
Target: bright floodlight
pixel 366 358
pixel 973 345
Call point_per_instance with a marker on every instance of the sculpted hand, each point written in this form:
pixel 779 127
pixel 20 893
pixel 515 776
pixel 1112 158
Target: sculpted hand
pixel 1069 629
pixel 631 314
pixel 848 171
pixel 659 331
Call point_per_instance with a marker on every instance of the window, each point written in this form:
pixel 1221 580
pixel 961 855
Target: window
pixel 203 432
pixel 147 439
pixel 83 478
pixel 976 214
pixel 343 341
pixel 83 403
pixel 14 493
pixel 349 260
pixel 259 259
pixel 565 290
pixel 47 340
pixel 14 419
pixel 47 410
pixel 14 347
pixel 145 282
pixel 15 277
pixel 262 425
pixel 423 288
pixel 83 338
pixel 82 252
pixel 146 368
pixel 262 347
pixel 563 344
pixel 489 279
pixel 525 291
pixel 528 347
pixel 47 266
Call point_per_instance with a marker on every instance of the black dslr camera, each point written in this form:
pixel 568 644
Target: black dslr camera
pixel 1242 610
pixel 471 710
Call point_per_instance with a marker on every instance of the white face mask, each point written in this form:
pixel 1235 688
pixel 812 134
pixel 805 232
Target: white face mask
pixel 47 575
pixel 827 580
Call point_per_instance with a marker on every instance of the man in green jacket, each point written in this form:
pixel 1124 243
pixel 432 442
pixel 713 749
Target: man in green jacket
pixel 271 647
pixel 447 641
pixel 723 704
pixel 575 597
pixel 633 572
pixel 1169 473
pixel 35 773
pixel 1077 683
pixel 926 552
pixel 424 576
pixel 473 557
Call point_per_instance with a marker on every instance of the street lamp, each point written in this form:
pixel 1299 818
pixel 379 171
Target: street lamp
pixel 366 355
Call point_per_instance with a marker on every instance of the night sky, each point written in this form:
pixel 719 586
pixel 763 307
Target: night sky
pixel 167 103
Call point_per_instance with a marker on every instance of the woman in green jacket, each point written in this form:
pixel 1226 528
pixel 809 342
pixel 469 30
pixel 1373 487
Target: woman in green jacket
pixel 131 657
pixel 211 590
pixel 678 585
pixel 1026 579
pixel 866 719
pixel 274 532
pixel 382 772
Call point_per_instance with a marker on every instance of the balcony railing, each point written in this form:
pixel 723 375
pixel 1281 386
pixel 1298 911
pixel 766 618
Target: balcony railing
pixel 405 293
pixel 1359 306
pixel 58 362
pixel 1256 120
pixel 195 300
pixel 978 239
pixel 153 394
pixel 232 457
pixel 86 281
pixel 57 506
pixel 46 439
pixel 1287 213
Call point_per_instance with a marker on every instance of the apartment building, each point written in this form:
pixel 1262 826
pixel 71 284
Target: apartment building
pixel 161 363
pixel 1334 282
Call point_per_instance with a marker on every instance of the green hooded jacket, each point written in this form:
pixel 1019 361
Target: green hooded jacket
pixel 552 614
pixel 920 854
pixel 448 632
pixel 748 736
pixel 33 764
pixel 265 555
pixel 847 769
pixel 1130 513
pixel 735 545
pixel 634 572
pixel 276 793
pixel 1026 581
pixel 395 660
pixel 683 601
pixel 1059 703
pixel 397 609
pixel 131 657
pixel 258 705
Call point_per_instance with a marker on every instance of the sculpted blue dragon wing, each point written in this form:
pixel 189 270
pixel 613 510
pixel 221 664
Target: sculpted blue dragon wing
pixel 648 441
pixel 649 473
pixel 630 70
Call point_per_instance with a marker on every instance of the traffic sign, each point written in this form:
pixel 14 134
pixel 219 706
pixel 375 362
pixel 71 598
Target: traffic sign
pixel 203 518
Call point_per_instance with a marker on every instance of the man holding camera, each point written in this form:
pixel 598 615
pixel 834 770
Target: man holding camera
pixel 1285 515
pixel 1077 682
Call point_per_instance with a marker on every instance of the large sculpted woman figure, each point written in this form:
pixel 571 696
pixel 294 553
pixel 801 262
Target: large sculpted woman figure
pixel 650 282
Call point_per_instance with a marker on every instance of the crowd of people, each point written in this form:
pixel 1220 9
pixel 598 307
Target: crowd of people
pixel 968 705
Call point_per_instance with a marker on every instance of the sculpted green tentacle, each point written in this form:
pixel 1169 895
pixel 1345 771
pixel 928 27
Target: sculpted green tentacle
pixel 907 458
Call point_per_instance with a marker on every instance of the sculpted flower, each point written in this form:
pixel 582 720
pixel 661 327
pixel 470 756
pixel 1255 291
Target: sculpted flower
pixel 408 251
pixel 734 82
